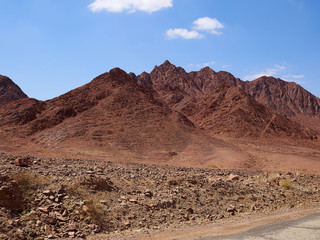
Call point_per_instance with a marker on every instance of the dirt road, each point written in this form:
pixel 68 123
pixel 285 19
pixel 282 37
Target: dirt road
pixel 305 228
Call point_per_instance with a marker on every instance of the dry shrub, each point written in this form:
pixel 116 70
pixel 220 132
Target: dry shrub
pixel 286 184
pixel 97 184
pixel 212 165
pixel 74 188
pixel 28 181
pixel 95 210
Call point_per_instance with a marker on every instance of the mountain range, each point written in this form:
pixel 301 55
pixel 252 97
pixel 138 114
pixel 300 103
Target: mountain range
pixel 165 116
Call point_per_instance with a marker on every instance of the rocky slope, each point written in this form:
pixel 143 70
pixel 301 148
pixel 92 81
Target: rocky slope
pixel 9 91
pixel 68 198
pixel 232 112
pixel 286 98
pixel 190 93
pixel 165 116
pixel 110 113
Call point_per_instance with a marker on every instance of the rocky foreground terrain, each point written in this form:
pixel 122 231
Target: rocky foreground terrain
pixel 45 198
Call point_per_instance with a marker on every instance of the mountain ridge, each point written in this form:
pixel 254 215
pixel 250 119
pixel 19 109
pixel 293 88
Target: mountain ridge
pixel 174 86
pixel 193 119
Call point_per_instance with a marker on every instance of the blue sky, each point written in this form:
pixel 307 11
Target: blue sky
pixel 49 47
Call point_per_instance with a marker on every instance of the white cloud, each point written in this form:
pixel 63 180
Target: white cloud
pixel 119 6
pixel 298 76
pixel 225 66
pixel 268 72
pixel 207 24
pixel 294 76
pixel 201 65
pixel 183 33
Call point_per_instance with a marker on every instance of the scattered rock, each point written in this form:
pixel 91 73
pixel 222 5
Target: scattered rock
pixel 231 209
pixel 148 194
pixel 47 230
pixel 22 162
pixel 10 194
pixel 233 177
pixel 57 209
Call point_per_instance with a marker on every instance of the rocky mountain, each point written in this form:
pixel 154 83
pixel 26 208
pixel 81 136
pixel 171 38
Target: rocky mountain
pixel 286 98
pixel 156 116
pixel 111 112
pixel 9 91
pixel 177 88
pixel 230 111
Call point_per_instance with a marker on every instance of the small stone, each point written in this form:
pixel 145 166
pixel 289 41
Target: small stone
pixel 132 200
pixel 148 194
pixel 85 208
pixel 47 230
pixel 127 224
pixel 62 219
pixel 231 209
pixel 22 162
pixel 47 192
pixel 233 177
pixel 43 209
pixel 65 213
pixel 190 210
pixel 72 227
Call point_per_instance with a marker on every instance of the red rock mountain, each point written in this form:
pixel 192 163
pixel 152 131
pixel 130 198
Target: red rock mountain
pixel 9 91
pixel 177 88
pixel 230 111
pixel 169 116
pixel 111 113
pixel 286 98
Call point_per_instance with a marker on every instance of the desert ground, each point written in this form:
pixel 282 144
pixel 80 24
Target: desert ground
pixel 51 198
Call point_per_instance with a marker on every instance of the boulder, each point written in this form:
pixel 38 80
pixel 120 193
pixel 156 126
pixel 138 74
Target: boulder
pixel 10 194
pixel 233 177
pixel 22 162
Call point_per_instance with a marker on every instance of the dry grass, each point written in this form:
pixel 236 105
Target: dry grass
pixel 213 166
pixel 95 210
pixel 286 184
pixel 29 181
pixel 74 188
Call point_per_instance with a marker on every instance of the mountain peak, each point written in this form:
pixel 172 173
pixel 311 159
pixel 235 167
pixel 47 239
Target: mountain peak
pixel 166 62
pixel 9 91
pixel 165 66
pixel 117 71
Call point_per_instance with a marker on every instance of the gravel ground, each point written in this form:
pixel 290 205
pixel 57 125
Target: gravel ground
pixel 72 198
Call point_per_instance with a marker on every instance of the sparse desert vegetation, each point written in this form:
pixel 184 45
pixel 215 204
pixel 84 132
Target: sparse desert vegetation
pixel 62 198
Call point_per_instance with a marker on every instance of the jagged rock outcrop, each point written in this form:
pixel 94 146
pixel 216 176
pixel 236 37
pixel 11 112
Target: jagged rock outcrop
pixel 230 111
pixel 286 98
pixel 177 88
pixel 111 111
